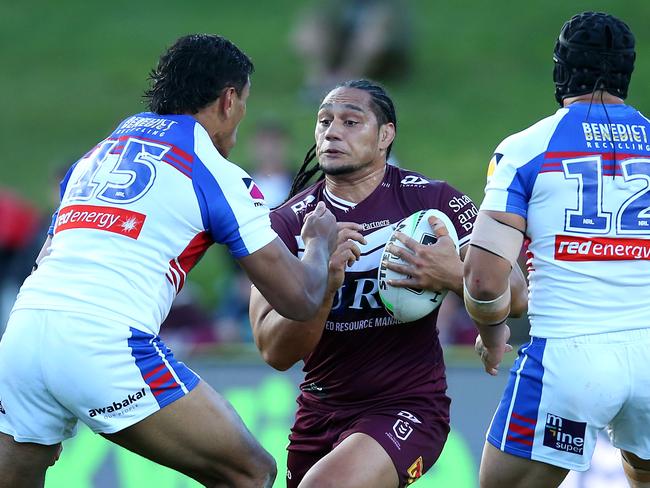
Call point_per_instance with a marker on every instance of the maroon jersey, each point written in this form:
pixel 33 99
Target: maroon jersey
pixel 365 356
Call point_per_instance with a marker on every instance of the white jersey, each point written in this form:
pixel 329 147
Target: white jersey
pixel 137 212
pixel 581 179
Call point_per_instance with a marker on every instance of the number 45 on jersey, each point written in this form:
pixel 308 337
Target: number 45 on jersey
pixel 117 171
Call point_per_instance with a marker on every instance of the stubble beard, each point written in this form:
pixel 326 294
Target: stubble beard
pixel 345 169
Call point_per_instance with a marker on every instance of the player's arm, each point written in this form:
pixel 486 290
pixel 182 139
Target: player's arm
pixel 494 285
pixel 295 287
pixel 45 250
pixel 283 341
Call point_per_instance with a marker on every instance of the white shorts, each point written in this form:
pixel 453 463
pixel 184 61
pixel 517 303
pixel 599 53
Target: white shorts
pixel 562 392
pixel 60 367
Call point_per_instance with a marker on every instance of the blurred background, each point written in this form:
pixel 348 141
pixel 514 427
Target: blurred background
pixel 463 76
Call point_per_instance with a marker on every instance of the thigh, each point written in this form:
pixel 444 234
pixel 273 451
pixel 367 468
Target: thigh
pixel 629 429
pixel 500 469
pixel 412 438
pixel 560 394
pixel 359 461
pixel 199 435
pixel 636 461
pixel 115 375
pixel 29 412
pixel 387 447
pixel 23 464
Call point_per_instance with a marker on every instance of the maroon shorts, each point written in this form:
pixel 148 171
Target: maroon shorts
pixel 413 434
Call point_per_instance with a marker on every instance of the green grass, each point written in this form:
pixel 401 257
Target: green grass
pixel 71 70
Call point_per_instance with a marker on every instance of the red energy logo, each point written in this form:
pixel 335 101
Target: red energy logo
pixel 120 221
pixel 575 248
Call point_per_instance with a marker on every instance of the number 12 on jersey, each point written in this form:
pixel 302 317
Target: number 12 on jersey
pixel 118 176
pixel 633 216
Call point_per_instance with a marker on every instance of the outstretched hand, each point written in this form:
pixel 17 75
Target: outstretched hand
pixel 492 356
pixel 434 267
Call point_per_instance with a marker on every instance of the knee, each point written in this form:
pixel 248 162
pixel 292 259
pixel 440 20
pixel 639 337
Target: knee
pixel 260 471
pixel 257 470
pixel 265 471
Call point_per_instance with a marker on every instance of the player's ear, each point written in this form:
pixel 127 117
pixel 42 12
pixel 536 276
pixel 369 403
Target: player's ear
pixel 386 135
pixel 226 101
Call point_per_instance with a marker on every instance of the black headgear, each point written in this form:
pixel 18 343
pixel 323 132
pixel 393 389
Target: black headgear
pixel 595 51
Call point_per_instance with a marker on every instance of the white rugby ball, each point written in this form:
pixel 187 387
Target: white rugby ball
pixel 407 304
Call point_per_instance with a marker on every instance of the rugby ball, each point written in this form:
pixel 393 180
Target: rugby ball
pixel 408 304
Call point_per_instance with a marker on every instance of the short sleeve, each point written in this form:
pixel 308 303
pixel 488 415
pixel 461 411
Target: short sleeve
pixel 232 208
pixel 510 184
pixel 515 165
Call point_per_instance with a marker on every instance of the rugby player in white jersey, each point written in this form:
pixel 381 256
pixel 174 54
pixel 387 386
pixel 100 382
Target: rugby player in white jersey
pixel 137 213
pixel 575 185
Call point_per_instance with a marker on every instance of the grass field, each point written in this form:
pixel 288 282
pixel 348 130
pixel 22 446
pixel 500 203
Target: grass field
pixel 72 70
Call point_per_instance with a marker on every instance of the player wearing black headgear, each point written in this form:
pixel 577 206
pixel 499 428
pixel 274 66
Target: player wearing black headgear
pixel 575 184
pixel 594 51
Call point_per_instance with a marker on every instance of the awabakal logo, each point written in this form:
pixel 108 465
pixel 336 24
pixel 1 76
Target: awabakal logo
pixel 118 408
pixel 564 434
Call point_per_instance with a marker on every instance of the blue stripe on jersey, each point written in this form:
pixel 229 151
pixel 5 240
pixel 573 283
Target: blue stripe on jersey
pixel 218 218
pixel 514 423
pixel 521 187
pixel 569 135
pixel 167 378
pixel 62 187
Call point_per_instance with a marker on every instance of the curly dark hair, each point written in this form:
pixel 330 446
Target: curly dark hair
pixel 193 72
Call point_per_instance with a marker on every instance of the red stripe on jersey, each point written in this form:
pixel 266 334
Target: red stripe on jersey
pixel 152 373
pixel 174 276
pixel 608 169
pixel 175 149
pixel 194 251
pixel 581 154
pixel 525 442
pixel 524 419
pixel 186 156
pixel 158 382
pixel 179 162
pixel 181 275
pixel 176 166
pixel 520 429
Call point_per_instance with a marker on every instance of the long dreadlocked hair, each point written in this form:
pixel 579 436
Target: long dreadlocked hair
pixel 384 110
